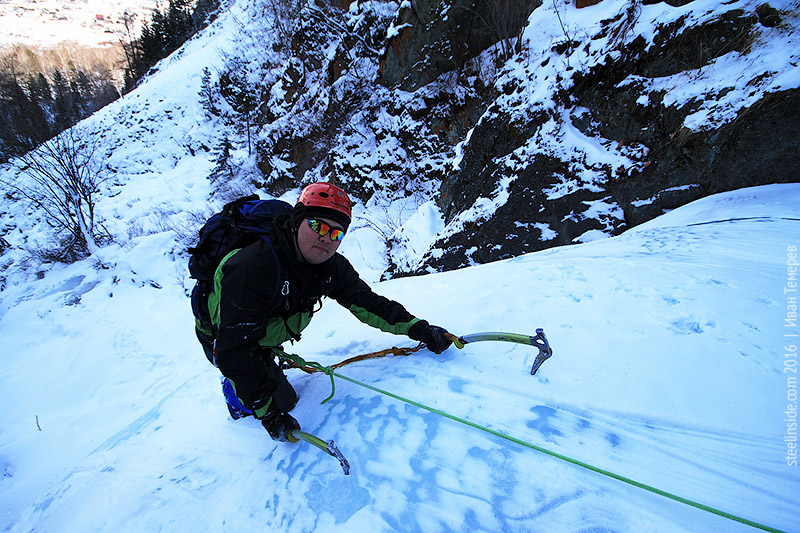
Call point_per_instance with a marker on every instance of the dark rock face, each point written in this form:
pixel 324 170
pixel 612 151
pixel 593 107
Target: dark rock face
pixel 522 182
pixel 674 165
pixel 436 37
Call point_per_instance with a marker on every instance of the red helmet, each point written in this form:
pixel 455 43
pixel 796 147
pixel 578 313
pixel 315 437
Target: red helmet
pixel 328 196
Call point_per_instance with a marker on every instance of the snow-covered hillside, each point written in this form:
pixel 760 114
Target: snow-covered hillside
pixel 157 149
pixel 672 363
pixel 669 369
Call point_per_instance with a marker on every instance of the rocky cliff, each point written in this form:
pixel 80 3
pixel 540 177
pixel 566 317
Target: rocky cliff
pixel 589 135
pixel 530 124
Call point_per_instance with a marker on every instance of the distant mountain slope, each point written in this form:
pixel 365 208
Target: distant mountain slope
pixel 604 118
pixel 46 23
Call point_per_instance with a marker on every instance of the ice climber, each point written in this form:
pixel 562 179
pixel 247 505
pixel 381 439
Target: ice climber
pixel 250 317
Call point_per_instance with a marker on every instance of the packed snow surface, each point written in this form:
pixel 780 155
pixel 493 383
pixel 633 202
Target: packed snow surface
pixel 673 365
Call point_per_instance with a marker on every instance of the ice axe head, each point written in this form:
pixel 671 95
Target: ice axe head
pixel 540 341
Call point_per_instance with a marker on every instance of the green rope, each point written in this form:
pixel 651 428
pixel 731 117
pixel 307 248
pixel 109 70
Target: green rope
pixel 587 466
pixel 299 361
pixel 328 371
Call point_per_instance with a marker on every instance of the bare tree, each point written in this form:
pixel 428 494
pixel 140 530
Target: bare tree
pixel 129 46
pixel 505 20
pixel 286 17
pixel 64 178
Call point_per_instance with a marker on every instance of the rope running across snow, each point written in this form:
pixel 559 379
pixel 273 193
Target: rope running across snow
pixel 310 367
pixel 576 462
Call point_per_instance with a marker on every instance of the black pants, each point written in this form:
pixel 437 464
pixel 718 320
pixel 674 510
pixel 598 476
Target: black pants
pixel 284 396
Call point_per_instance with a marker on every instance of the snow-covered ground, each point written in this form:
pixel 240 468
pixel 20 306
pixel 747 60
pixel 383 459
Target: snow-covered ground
pixel 672 366
pixel 47 23
pixel 669 369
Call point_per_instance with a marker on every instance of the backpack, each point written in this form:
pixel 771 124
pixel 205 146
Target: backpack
pixel 240 223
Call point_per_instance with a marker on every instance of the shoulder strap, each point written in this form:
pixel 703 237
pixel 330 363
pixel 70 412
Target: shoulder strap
pixel 281 291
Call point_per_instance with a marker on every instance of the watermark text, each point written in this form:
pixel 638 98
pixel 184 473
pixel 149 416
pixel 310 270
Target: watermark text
pixel 790 354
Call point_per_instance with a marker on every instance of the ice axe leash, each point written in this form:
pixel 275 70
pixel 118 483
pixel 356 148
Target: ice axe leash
pixel 539 341
pixel 327 447
pixel 311 367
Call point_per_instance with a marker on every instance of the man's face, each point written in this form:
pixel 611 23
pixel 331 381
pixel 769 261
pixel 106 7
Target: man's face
pixel 312 246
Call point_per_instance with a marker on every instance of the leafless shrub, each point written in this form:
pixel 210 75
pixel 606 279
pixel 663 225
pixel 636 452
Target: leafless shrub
pixel 505 20
pixel 64 178
pixel 619 32
pixel 286 17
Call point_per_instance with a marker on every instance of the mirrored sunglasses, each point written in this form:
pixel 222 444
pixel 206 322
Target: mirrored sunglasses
pixel 324 229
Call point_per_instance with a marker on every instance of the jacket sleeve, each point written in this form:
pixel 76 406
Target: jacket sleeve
pixel 245 287
pixel 354 294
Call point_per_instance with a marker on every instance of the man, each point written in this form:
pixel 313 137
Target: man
pixel 249 320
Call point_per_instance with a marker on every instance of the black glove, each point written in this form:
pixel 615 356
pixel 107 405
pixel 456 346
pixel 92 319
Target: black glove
pixel 434 337
pixel 279 425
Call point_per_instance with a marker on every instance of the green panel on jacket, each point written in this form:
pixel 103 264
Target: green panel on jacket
pixel 401 328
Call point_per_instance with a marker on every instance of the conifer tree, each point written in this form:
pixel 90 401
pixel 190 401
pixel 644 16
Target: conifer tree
pixel 240 95
pixel 222 156
pixel 209 93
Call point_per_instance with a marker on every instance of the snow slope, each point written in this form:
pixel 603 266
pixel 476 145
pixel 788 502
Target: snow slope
pixel 668 369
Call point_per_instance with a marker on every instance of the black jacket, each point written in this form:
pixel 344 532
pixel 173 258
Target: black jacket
pixel 250 314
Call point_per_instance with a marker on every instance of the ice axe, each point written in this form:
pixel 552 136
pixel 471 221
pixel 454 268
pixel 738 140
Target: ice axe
pixel 539 341
pixel 327 447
